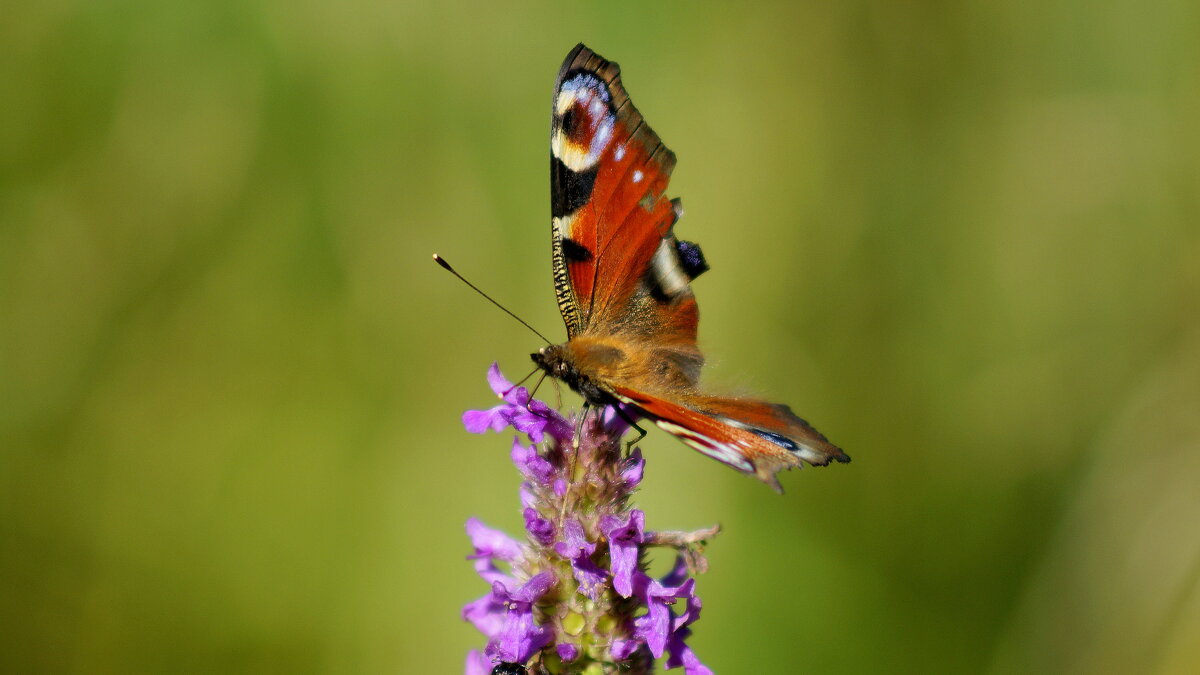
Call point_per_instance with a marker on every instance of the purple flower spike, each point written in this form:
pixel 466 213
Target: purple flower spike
pixel 584 547
pixel 624 538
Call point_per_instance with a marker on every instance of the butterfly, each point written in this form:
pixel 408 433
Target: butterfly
pixel 623 284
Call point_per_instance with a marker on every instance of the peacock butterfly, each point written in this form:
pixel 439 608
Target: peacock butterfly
pixel 623 282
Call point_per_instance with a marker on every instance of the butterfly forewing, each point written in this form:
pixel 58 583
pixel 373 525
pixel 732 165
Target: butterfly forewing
pixel 608 177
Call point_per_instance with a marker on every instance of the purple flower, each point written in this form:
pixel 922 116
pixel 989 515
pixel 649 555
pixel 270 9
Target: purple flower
pixel 486 614
pixel 532 465
pixel 539 529
pixel 532 418
pixel 576 548
pixel 567 651
pixel 657 626
pixel 624 539
pixel 632 468
pixel 490 546
pixel 622 648
pixel 519 636
pixel 580 566
pixel 679 654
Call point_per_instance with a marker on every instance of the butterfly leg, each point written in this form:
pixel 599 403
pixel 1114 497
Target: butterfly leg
pixel 631 422
pixel 583 413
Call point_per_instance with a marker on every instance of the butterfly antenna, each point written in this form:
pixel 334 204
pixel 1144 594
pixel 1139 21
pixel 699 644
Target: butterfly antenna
pixel 521 382
pixel 442 261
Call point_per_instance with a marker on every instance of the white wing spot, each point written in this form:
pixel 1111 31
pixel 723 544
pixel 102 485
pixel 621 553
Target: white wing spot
pixel 564 224
pixel 719 451
pixel 667 269
pixel 637 176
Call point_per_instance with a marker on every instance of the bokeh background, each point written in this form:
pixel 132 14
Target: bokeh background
pixel 961 238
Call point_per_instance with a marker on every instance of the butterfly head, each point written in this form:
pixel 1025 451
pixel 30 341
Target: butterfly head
pixel 561 363
pixel 558 362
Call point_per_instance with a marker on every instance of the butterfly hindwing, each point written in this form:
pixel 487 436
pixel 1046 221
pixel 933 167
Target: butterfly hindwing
pixel 751 436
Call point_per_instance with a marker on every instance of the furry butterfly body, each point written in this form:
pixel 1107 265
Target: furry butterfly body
pixel 623 283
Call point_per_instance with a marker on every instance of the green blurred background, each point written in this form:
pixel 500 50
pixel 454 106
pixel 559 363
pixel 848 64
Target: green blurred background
pixel 961 239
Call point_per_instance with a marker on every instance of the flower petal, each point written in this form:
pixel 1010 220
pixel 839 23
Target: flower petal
pixel 486 614
pixel 539 529
pixel 479 421
pixel 529 424
pixel 492 543
pixel 477 663
pixel 654 627
pixel 497 381
pixel 678 573
pixel 528 497
pixel 591 577
pixel 532 465
pixel 682 655
pixel 622 649
pixel 623 541
pixel 556 425
pixel 614 423
pixel 574 544
pixel 519 636
pixel 632 468
pixel 534 589
pixel 567 651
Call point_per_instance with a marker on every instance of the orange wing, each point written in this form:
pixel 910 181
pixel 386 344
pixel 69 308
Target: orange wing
pixel 611 219
pixel 751 436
